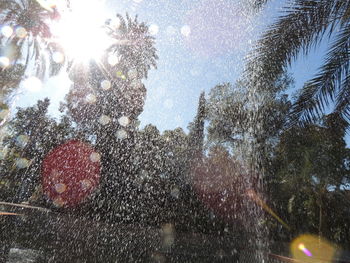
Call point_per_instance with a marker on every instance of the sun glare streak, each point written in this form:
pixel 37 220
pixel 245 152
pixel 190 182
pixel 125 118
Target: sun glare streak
pixel 263 205
pixel 80 30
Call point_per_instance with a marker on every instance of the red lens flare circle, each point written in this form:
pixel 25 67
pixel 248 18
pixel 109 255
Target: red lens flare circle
pixel 70 173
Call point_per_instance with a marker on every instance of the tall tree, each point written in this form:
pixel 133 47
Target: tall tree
pixel 310 168
pixel 106 99
pixel 29 35
pixel 196 135
pixel 32 135
pixel 231 113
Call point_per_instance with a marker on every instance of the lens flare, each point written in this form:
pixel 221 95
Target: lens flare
pixel 153 29
pixel 4 62
pixel 252 195
pixel 106 84
pixel 303 248
pixel 32 84
pixel 79 30
pixel 311 249
pixel 124 121
pixel 6 31
pixel 21 32
pixel 185 30
pixel 121 134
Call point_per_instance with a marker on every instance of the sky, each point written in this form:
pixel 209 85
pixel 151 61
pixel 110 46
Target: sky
pixel 200 43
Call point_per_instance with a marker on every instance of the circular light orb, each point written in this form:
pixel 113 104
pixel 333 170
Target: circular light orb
pixel 85 184
pixel 175 192
pixel 124 121
pixel 6 31
pixel 104 119
pixel 113 59
pixel 21 32
pixel 4 62
pixel 106 84
pixel 58 202
pixel 121 75
pixel 185 30
pixel 58 57
pixel 153 29
pixel 90 98
pixel 64 168
pixel 95 157
pixel 32 84
pixel 60 188
pixel 22 140
pixel 22 163
pixel 4 112
pixel 121 134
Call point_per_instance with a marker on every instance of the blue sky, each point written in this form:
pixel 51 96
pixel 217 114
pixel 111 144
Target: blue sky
pixel 211 53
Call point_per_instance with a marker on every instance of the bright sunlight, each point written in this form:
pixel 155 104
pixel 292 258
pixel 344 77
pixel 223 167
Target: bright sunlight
pixel 80 30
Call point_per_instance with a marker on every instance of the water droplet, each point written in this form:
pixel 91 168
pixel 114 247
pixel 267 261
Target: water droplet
pixel 21 32
pixel 58 57
pixel 106 84
pixel 123 121
pixel 60 188
pixel 95 157
pixel 90 98
pixel 6 31
pixel 153 29
pixel 85 184
pixel 175 192
pixel 22 140
pixel 55 174
pixel 121 75
pixel 104 119
pixel 4 62
pixel 59 202
pixel 32 84
pixel 168 229
pixel 185 30
pixel 121 134
pixel 3 153
pixel 22 163
pixel 113 59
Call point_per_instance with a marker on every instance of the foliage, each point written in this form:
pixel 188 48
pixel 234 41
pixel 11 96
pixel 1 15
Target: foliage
pixel 32 134
pixel 307 176
pixel 231 114
pixel 303 26
pixel 31 40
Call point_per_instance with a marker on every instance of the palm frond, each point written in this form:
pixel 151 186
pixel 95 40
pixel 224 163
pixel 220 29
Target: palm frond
pixel 303 25
pixel 34 19
pixel 321 90
pixel 135 45
pixel 342 104
pixel 257 4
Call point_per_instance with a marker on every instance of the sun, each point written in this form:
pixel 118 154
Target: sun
pixel 80 30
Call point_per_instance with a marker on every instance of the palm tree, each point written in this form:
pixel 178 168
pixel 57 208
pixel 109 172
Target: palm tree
pixel 134 45
pixel 136 52
pixel 304 24
pixel 31 37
